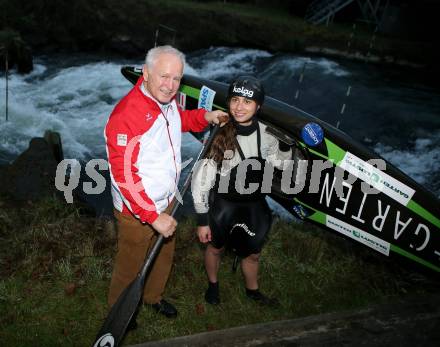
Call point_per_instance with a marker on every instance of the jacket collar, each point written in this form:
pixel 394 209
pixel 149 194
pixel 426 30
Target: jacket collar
pixel 149 99
pixel 246 130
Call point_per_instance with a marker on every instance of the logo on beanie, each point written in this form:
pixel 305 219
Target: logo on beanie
pixel 245 92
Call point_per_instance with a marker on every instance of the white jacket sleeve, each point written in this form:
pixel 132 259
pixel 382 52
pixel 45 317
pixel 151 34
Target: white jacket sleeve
pixel 272 152
pixel 202 182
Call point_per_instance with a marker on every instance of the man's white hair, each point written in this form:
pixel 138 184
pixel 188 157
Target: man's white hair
pixel 155 52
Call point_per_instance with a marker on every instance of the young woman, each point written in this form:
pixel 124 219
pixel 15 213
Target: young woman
pixel 228 189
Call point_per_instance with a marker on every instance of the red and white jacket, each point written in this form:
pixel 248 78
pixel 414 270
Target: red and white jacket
pixel 143 141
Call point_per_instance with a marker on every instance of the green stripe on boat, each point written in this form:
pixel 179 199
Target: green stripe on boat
pixel 336 154
pixel 421 211
pixel 195 93
pixel 190 91
pixel 320 217
pixel 411 256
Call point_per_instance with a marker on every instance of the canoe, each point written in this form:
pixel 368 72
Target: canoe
pixel 335 181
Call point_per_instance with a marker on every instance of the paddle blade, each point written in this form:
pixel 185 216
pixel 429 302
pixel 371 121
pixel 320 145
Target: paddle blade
pixel 113 330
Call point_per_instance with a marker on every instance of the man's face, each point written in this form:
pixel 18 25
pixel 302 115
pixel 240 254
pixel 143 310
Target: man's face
pixel 162 80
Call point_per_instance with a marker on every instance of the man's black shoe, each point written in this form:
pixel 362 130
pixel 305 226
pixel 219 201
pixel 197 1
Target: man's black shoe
pixel 212 294
pixel 165 308
pixel 262 299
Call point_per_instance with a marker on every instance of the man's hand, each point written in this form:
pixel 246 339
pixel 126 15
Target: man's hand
pixel 217 117
pixel 204 233
pixel 165 224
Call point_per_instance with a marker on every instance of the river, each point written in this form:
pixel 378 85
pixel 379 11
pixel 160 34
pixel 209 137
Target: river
pixel 394 114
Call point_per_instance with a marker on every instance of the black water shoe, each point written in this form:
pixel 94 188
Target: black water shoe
pixel 212 294
pixel 165 308
pixel 260 298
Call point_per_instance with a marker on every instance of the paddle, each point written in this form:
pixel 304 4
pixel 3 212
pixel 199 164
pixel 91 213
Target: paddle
pixel 115 325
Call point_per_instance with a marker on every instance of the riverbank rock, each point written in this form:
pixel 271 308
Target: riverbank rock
pixel 32 175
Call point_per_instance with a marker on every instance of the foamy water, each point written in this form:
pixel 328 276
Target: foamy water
pixel 77 100
pixel 421 161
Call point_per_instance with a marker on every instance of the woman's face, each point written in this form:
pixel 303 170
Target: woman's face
pixel 242 109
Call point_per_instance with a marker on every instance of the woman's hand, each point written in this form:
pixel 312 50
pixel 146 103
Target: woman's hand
pixel 204 233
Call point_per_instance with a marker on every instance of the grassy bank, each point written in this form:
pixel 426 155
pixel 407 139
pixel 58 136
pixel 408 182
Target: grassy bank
pixel 56 265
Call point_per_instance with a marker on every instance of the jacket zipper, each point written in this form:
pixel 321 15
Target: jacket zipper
pixel 172 147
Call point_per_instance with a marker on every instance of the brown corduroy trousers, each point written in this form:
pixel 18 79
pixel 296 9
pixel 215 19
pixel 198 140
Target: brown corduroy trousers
pixel 134 241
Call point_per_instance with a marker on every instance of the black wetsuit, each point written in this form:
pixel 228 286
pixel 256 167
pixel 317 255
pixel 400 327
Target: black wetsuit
pixel 241 221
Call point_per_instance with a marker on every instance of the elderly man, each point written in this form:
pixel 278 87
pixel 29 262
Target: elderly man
pixel 143 139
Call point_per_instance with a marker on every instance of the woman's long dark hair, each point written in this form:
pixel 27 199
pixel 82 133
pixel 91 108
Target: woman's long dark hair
pixel 224 140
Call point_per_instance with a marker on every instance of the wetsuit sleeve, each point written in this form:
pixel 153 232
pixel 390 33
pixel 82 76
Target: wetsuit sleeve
pixel 122 135
pixel 193 120
pixel 275 153
pixel 203 181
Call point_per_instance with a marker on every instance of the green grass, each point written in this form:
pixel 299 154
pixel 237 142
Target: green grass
pixel 56 265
